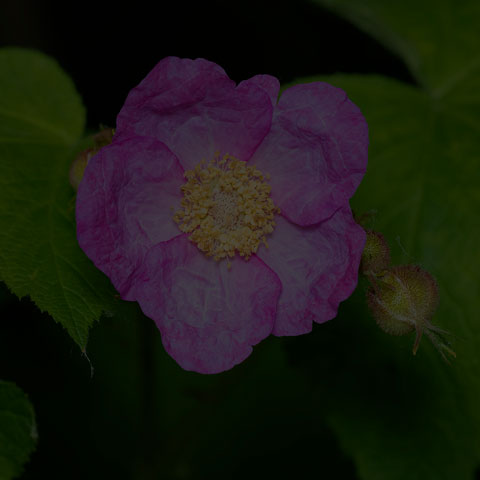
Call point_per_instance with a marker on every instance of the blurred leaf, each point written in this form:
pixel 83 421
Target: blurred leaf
pixel 18 433
pixel 423 178
pixel 438 39
pixel 402 416
pixel 41 124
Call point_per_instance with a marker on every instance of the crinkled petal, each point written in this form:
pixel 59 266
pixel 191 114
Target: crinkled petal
pixel 196 110
pixel 124 205
pixel 209 316
pixel 315 153
pixel 270 84
pixel 318 268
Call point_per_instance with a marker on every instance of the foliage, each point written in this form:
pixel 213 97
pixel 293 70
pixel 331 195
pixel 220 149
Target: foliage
pixel 397 416
pixel 417 417
pixel 18 432
pixel 41 127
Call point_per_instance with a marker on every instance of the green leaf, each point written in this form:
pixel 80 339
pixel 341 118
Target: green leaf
pixel 438 39
pixel 41 124
pixel 422 178
pixel 18 431
pixel 401 416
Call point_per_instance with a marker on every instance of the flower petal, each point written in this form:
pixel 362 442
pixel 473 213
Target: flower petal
pixel 124 205
pixel 318 268
pixel 196 110
pixel 315 153
pixel 270 84
pixel 209 316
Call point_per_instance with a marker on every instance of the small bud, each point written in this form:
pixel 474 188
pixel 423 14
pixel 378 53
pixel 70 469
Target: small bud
pixel 364 218
pixel 103 138
pixel 376 254
pixel 405 299
pixel 77 169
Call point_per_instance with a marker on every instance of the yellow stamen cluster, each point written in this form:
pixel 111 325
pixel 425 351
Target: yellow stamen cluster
pixel 226 208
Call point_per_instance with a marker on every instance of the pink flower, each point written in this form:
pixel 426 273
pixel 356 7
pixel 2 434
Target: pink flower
pixel 190 245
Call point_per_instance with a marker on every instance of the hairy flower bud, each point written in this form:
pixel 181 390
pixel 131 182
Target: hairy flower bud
pixel 405 299
pixel 376 254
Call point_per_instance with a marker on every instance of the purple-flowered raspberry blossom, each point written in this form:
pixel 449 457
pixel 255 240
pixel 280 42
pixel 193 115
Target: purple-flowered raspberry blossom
pixel 224 212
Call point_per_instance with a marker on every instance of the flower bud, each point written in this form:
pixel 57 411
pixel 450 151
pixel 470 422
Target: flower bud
pixel 405 299
pixel 101 139
pixel 78 167
pixel 364 218
pixel 376 254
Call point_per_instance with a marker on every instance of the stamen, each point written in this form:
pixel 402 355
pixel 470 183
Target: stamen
pixel 226 208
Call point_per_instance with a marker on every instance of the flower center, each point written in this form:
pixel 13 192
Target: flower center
pixel 226 208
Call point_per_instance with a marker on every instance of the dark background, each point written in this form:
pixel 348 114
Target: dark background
pixel 140 416
pixel 108 49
